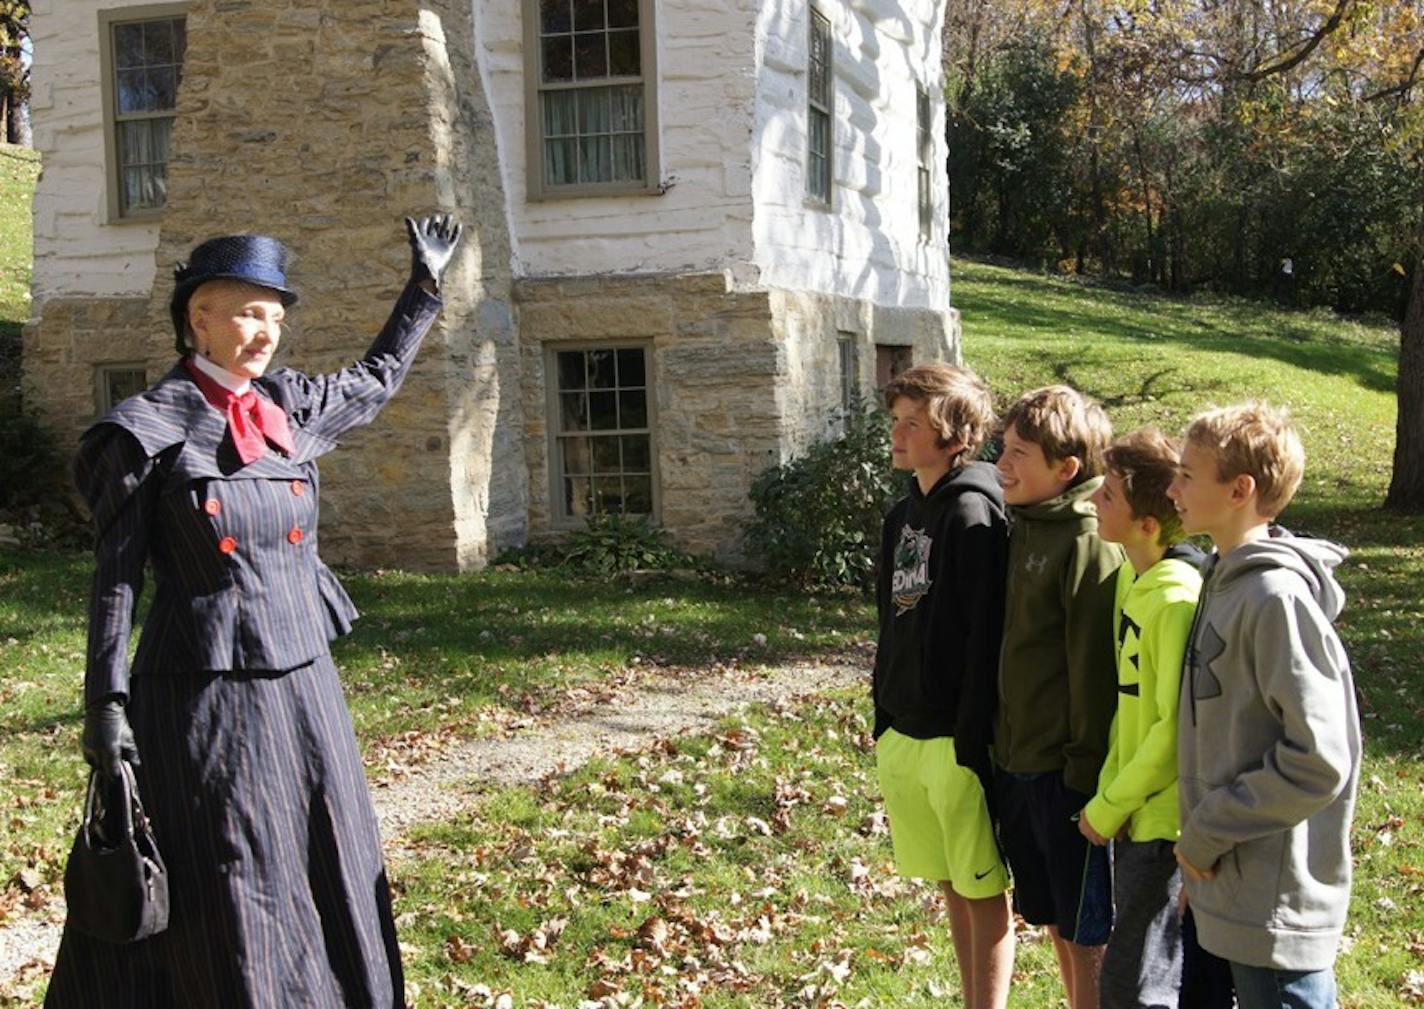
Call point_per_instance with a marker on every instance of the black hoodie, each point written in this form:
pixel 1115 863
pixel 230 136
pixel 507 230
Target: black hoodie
pixel 943 558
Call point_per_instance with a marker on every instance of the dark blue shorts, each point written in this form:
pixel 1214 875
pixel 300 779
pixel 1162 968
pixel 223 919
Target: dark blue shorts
pixel 1059 878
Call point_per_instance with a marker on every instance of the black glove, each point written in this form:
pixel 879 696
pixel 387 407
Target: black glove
pixel 107 738
pixel 432 245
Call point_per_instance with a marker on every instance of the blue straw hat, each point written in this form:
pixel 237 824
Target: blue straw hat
pixel 251 259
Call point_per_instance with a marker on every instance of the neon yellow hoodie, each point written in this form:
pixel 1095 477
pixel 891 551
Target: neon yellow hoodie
pixel 1138 783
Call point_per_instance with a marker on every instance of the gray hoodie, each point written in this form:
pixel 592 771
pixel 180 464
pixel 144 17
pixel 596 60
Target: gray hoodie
pixel 1269 755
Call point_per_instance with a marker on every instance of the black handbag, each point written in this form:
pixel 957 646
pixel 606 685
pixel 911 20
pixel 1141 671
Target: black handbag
pixel 116 884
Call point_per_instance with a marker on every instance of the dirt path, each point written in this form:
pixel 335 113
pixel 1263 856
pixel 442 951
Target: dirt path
pixel 627 717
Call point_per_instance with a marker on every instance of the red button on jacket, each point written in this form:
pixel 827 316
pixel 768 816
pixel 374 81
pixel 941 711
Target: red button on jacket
pixel 227 544
pixel 295 536
pixel 299 487
pixel 212 506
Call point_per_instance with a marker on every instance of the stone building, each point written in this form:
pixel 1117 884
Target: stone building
pixel 694 230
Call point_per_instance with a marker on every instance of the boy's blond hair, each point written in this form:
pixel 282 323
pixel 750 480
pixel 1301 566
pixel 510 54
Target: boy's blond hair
pixel 1063 422
pixel 958 402
pixel 1259 440
pixel 1146 463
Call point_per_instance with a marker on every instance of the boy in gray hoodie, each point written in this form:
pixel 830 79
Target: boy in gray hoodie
pixel 1269 743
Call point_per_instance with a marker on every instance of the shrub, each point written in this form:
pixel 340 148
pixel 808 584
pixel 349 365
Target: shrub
pixel 30 465
pixel 818 517
pixel 606 545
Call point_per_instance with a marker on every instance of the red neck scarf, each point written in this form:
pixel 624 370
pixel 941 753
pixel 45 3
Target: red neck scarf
pixel 251 420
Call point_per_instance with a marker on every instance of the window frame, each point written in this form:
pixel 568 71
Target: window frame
pixel 848 367
pixel 103 399
pixel 559 518
pixel 535 188
pixel 924 161
pixel 108 19
pixel 813 107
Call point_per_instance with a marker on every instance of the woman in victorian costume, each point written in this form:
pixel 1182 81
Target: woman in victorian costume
pixel 249 767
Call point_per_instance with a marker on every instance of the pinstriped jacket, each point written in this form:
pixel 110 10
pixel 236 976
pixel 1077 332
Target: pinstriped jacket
pixel 238 582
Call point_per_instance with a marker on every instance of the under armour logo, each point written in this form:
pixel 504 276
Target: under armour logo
pixel 1036 564
pixel 1204 681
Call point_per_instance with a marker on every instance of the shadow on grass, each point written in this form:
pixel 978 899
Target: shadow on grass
pixel 1150 320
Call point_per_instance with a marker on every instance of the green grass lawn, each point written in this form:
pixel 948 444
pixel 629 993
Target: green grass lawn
pixel 19 168
pixel 748 867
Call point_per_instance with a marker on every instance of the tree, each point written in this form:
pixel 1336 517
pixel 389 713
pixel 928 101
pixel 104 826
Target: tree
pixel 14 75
pixel 1406 485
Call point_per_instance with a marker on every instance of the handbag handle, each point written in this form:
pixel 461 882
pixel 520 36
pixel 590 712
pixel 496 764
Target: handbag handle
pixel 132 806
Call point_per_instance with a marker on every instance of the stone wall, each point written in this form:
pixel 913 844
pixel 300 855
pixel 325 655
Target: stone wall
pixel 324 122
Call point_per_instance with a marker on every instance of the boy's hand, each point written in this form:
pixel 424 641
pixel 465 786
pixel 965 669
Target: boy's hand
pixel 1086 829
pixel 1192 872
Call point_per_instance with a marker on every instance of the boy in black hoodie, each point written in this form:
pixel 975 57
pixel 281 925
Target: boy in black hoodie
pixel 941 597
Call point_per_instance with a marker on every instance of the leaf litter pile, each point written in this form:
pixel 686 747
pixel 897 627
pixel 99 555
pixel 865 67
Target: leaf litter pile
pixel 750 867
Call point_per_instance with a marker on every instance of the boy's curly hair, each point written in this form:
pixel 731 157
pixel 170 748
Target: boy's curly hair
pixel 1063 422
pixel 1259 440
pixel 1146 463
pixel 959 404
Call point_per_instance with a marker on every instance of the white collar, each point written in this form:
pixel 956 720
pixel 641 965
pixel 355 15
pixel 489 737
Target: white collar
pixel 221 375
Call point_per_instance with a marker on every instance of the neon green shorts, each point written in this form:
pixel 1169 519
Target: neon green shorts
pixel 939 821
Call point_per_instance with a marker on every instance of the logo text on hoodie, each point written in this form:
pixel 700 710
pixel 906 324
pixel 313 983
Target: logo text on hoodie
pixel 911 579
pixel 1204 681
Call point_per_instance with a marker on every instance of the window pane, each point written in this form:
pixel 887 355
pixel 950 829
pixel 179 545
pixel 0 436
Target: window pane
pixel 588 14
pixel 626 108
pixel 558 58
pixel 638 495
pixel 625 59
pixel 140 190
pixel 578 496
pixel 605 456
pixel 633 409
pixel 637 453
pixel 607 494
pixel 595 160
pixel 119 385
pixel 593 111
pixel 128 45
pixel 573 411
pixel 622 13
pixel 163 88
pixel 630 367
pixel 132 91
pixel 180 41
pixel 570 369
pixel 603 411
pixel 560 162
pixel 554 16
pixel 576 456
pixel 590 56
pixel 560 113
pixel 628 157
pixel 158 42
pixel 601 373
pixel 818 124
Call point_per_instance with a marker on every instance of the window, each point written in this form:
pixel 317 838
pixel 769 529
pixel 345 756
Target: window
pixel 850 370
pixel 591 107
pixel 114 383
pixel 818 111
pixel 890 362
pixel 602 451
pixel 925 161
pixel 141 61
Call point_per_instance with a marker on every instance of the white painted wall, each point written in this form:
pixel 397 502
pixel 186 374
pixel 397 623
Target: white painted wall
pixel 868 245
pixel 76 252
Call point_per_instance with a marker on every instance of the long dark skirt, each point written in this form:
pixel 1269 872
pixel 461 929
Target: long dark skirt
pixel 261 811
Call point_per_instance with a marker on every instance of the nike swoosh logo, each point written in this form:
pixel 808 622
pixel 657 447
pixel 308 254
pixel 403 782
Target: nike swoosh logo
pixel 981 875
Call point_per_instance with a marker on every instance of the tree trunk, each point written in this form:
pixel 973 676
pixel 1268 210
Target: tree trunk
pixel 1406 486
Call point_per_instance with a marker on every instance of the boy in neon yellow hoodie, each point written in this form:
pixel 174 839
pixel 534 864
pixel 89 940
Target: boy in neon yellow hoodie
pixel 1136 800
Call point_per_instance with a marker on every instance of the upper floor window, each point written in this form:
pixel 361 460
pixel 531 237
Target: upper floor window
pixel 818 110
pixel 925 160
pixel 591 104
pixel 141 58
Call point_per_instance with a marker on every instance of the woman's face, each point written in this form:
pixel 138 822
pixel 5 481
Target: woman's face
pixel 236 326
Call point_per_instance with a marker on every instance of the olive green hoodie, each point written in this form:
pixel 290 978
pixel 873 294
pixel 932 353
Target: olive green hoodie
pixel 1057 673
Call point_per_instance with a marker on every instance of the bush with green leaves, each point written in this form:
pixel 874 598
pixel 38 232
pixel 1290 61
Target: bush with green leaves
pixel 30 464
pixel 606 545
pixel 818 518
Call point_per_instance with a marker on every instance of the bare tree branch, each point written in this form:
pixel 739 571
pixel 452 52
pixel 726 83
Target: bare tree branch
pixel 1302 53
pixel 1403 87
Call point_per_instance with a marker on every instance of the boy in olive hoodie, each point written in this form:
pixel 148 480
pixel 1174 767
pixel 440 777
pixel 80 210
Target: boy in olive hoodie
pixel 1269 746
pixel 1136 802
pixel 1057 676
pixel 941 600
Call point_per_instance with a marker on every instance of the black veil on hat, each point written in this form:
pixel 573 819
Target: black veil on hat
pixel 251 259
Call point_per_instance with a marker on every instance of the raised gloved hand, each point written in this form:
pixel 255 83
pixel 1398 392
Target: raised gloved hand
pixel 107 738
pixel 432 245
